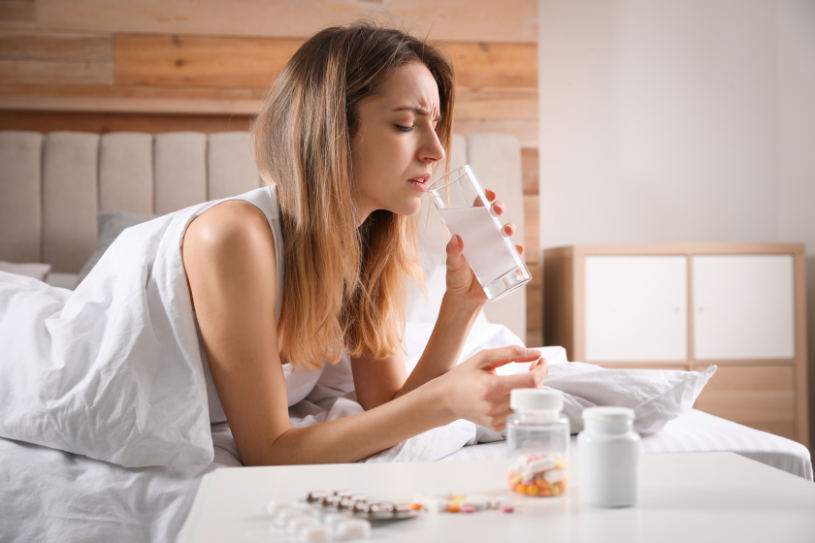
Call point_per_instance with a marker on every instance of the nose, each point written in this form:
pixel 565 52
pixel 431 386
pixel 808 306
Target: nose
pixel 432 150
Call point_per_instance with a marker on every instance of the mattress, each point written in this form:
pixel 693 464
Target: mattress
pixel 696 431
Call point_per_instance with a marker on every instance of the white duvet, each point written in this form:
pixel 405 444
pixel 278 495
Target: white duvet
pixel 51 495
pixel 112 369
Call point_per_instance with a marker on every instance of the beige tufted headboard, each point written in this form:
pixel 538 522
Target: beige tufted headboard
pixel 52 185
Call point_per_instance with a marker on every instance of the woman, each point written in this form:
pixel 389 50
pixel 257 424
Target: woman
pixel 348 138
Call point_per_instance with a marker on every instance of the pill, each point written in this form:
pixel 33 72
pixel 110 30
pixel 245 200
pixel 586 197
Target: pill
pixel 415 506
pixel 541 464
pixel 352 529
pixel 284 515
pixel 314 534
pixel 507 509
pixel 477 501
pixel 467 509
pixel 316 496
pixel 296 524
pixel 554 475
pixel 332 519
pixel 434 505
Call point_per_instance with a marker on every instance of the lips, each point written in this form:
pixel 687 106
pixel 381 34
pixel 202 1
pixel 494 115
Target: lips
pixel 420 182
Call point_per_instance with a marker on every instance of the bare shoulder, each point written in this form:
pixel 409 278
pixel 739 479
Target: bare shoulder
pixel 229 223
pixel 229 230
pixel 228 248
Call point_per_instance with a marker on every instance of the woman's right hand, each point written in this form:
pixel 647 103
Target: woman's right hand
pixel 472 390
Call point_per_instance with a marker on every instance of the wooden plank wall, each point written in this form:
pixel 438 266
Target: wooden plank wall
pixel 154 66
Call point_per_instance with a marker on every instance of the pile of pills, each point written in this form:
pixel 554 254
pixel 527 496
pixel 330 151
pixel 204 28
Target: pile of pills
pixel 333 516
pixel 464 504
pixel 538 476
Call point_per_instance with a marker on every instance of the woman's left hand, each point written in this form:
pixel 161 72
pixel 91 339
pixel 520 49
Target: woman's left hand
pixel 461 281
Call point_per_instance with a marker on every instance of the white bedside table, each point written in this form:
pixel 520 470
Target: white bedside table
pixel 684 497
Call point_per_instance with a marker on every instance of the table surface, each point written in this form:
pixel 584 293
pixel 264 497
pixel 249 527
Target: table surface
pixel 683 497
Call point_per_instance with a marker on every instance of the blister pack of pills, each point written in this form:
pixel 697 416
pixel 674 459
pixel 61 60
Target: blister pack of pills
pixel 360 505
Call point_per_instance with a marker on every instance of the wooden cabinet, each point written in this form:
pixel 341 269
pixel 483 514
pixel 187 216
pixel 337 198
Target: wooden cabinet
pixel 686 306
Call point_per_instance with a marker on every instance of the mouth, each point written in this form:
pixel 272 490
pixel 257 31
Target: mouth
pixel 420 182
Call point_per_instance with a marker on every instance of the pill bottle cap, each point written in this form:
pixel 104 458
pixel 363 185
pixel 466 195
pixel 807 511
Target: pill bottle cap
pixel 608 414
pixel 535 399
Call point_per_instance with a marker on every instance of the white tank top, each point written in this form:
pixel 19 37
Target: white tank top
pixel 298 382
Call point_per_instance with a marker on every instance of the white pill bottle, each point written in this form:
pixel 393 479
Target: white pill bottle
pixel 608 451
pixel 538 442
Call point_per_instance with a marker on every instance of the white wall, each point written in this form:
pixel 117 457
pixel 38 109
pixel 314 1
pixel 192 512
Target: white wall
pixel 679 121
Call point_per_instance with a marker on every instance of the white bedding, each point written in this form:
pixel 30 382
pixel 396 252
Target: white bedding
pixel 51 495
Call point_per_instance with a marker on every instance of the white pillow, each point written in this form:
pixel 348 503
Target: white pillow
pixel 656 396
pixel 37 270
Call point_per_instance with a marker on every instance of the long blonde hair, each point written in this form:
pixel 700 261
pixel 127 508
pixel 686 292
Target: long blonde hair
pixel 344 287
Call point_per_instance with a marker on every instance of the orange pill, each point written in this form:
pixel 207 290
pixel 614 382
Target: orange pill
pixel 532 490
pixel 416 506
pixel 521 488
pixel 453 508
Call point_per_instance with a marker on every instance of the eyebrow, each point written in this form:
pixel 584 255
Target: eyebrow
pixel 417 110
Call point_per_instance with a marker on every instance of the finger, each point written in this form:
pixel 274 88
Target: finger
pixel 539 362
pixel 498 207
pixel 539 375
pixel 520 249
pixel 509 228
pixel 455 245
pixel 492 358
pixel 521 380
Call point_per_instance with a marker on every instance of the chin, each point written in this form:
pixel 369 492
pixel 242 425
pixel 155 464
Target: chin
pixel 410 210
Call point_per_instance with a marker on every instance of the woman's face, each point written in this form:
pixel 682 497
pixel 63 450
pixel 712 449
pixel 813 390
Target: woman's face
pixel 396 146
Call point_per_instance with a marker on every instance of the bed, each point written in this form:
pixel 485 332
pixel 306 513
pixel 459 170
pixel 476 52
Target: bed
pixel 65 195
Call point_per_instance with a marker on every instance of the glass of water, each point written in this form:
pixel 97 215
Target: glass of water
pixel 466 211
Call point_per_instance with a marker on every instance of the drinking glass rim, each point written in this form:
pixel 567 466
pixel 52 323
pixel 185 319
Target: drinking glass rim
pixel 434 184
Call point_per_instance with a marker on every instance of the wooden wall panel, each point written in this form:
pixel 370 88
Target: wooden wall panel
pixel 38 58
pixel 461 20
pixel 200 61
pixel 101 123
pixel 17 11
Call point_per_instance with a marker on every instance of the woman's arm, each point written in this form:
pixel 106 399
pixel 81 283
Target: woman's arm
pixel 229 259
pixel 379 380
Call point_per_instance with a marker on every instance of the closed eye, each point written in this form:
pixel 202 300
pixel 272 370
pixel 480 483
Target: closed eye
pixel 403 128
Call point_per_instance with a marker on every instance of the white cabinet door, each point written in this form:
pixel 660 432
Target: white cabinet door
pixel 743 306
pixel 636 308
